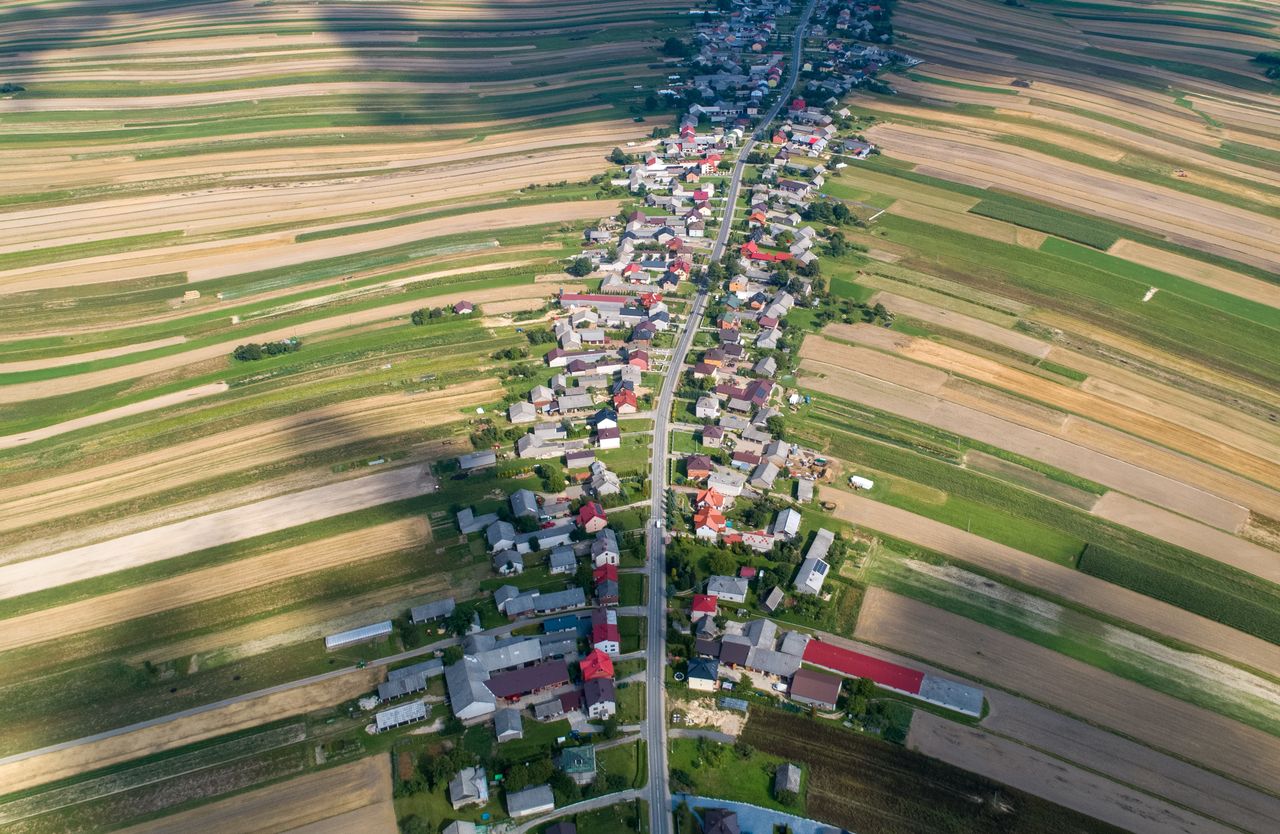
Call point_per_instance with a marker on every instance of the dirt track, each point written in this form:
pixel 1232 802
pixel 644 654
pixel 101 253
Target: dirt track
pixel 237 450
pixel 353 797
pixel 212 530
pixel 1042 775
pixel 1085 590
pixel 28 771
pixel 210 583
pixel 1184 532
pixel 176 398
pixel 973 649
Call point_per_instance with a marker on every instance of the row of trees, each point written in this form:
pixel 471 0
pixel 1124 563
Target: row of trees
pixel 253 351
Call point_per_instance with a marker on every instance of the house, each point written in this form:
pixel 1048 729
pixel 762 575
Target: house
pixel 562 560
pixel 787 524
pixel 508 563
pixel 764 475
pixel 766 367
pixel 728 484
pixel 607 591
pixel 703 673
pixel 813 572
pixel 507 725
pixel 468 695
pixel 500 535
pixel 541 396
pixel 605 418
pixel 709 523
pixel 530 802
pixel 591 517
pixel 701 370
pixel 600 698
pixel 478 460
pixel 704 605
pixel 605 550
pixel 522 413
pixel 709 498
pixel 524 503
pixel 712 436
pixel 469 787
pixel 469 522
pixel 698 467
pixel 602 482
pixel 605 635
pixel 768 339
pixel 706 408
pixel 578 763
pixel 580 459
pixel 816 688
pixel 719 821
pixel 608 438
pixel 728 588
pixel 460 827
pixel 463 308
pixel 596 664
pixel 786 779
pixel 625 402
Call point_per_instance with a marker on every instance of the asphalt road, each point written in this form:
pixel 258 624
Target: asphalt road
pixel 660 818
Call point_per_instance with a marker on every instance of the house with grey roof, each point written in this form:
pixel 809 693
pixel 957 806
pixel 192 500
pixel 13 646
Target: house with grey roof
pixel 786 778
pixel 524 503
pixel 562 560
pixel 500 535
pixel 507 725
pixel 763 476
pixel 432 610
pixel 530 801
pixel 728 588
pixel 728 484
pixel 468 695
pixel 787 524
pixel 469 787
pixel 522 413
pixel 460 827
pixel 766 367
pixel 469 522
pixel 812 573
pixel 508 562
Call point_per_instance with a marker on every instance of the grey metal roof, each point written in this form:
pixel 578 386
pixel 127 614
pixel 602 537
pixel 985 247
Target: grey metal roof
pixel 499 532
pixel 358 635
pixel 529 800
pixel 524 502
pixel 725 585
pixel 568 598
pixel 432 610
pixel 475 460
pixel 507 724
pixel 793 643
pixel 467 693
pixel 430 668
pixel 772 662
pixel 510 655
pixel 822 541
pixel 761 633
pixel 956 696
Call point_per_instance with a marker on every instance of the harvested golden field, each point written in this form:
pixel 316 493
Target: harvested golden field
pixel 347 798
pixel 1144 612
pixel 1026 430
pixel 953 320
pixel 1007 662
pixel 212 530
pixel 1117 443
pixel 40 766
pixel 197 586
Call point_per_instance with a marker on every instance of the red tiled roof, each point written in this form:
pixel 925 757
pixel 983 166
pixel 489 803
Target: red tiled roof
pixel 704 604
pixel 596 664
pixel 858 665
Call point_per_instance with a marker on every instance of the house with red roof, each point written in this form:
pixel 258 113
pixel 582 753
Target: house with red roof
pixel 463 308
pixel 698 467
pixel 625 402
pixel 595 665
pixel 709 498
pixel 708 523
pixel 605 573
pixel 753 252
pixel 638 359
pixel 703 605
pixel 605 635
pixel 591 517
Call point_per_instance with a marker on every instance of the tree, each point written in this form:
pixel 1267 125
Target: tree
pixel 615 782
pixel 247 353
pixel 452 654
pixel 675 48
pixel 579 267
pixel 414 824
pixel 620 157
pixel 458 622
pixel 611 727
pixel 788 798
pixel 722 563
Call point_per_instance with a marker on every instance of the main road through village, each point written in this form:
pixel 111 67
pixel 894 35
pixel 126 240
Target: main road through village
pixel 655 729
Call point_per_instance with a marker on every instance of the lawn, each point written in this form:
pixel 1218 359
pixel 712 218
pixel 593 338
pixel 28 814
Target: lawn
pixel 631 706
pixel 627 760
pixel 631 589
pixel 632 631
pixel 721 771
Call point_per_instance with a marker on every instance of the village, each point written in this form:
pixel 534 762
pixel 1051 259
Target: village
pixel 572 577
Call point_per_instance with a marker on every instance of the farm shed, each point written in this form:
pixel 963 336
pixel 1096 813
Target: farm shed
pixel 363 634
pixel 816 688
pixel 478 460
pixel 389 719
pixel 507 725
pixel 432 610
